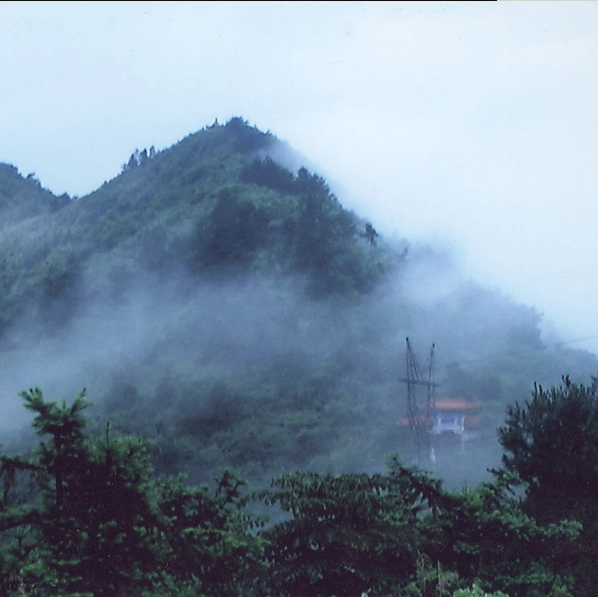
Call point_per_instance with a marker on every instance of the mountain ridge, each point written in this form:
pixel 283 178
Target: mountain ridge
pixel 199 188
pixel 233 312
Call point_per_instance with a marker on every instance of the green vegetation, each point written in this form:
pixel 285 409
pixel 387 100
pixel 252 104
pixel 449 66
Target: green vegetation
pixel 198 208
pixel 403 533
pixel 242 333
pixel 551 445
pixel 87 515
pixel 234 312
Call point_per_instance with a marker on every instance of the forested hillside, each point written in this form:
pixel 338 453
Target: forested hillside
pixel 220 301
pixel 231 319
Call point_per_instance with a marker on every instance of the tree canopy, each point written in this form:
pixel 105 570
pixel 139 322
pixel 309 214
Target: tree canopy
pixel 551 445
pixel 87 515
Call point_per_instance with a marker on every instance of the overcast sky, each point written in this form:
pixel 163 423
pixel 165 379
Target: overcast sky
pixel 470 125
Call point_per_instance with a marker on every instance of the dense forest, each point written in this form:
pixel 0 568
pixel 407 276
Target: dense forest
pixel 236 338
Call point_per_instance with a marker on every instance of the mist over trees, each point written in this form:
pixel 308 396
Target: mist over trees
pixel 551 444
pixel 236 313
pixel 85 514
pixel 226 310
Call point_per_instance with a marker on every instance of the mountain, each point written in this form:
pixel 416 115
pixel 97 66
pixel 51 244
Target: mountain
pixel 218 299
pixel 215 204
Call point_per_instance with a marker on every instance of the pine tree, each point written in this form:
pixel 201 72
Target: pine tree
pixel 87 516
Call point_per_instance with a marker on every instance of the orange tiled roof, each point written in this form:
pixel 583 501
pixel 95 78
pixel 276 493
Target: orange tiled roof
pixel 456 404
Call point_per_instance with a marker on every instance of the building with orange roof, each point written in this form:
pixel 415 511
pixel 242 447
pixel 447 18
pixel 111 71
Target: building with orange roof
pixel 454 415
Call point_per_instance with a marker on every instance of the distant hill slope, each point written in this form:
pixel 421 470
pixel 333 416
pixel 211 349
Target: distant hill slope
pixel 233 312
pixel 24 198
pixel 212 205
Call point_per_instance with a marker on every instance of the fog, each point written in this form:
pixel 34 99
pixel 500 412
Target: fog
pixel 470 125
pixel 254 371
pixel 157 349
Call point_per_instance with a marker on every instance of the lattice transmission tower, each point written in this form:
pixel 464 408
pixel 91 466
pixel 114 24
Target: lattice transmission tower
pixel 420 410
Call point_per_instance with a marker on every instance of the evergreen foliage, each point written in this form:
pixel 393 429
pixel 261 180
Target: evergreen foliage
pixel 404 533
pixel 300 339
pixel 551 446
pixel 88 516
pixel 348 534
pixel 194 207
pixel 24 198
pixel 269 320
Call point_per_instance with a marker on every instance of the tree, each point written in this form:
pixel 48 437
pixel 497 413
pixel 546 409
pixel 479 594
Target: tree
pixel 551 444
pixel 90 525
pixel 347 534
pixel 236 230
pixel 370 234
pixel 210 537
pixel 324 244
pixel 402 533
pixel 87 516
pixel 484 536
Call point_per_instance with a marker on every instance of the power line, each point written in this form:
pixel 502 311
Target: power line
pixel 522 353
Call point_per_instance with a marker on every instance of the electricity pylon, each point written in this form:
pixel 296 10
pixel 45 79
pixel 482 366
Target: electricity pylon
pixel 420 416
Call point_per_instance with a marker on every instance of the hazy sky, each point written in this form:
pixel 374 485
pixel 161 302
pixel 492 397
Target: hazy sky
pixel 472 125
